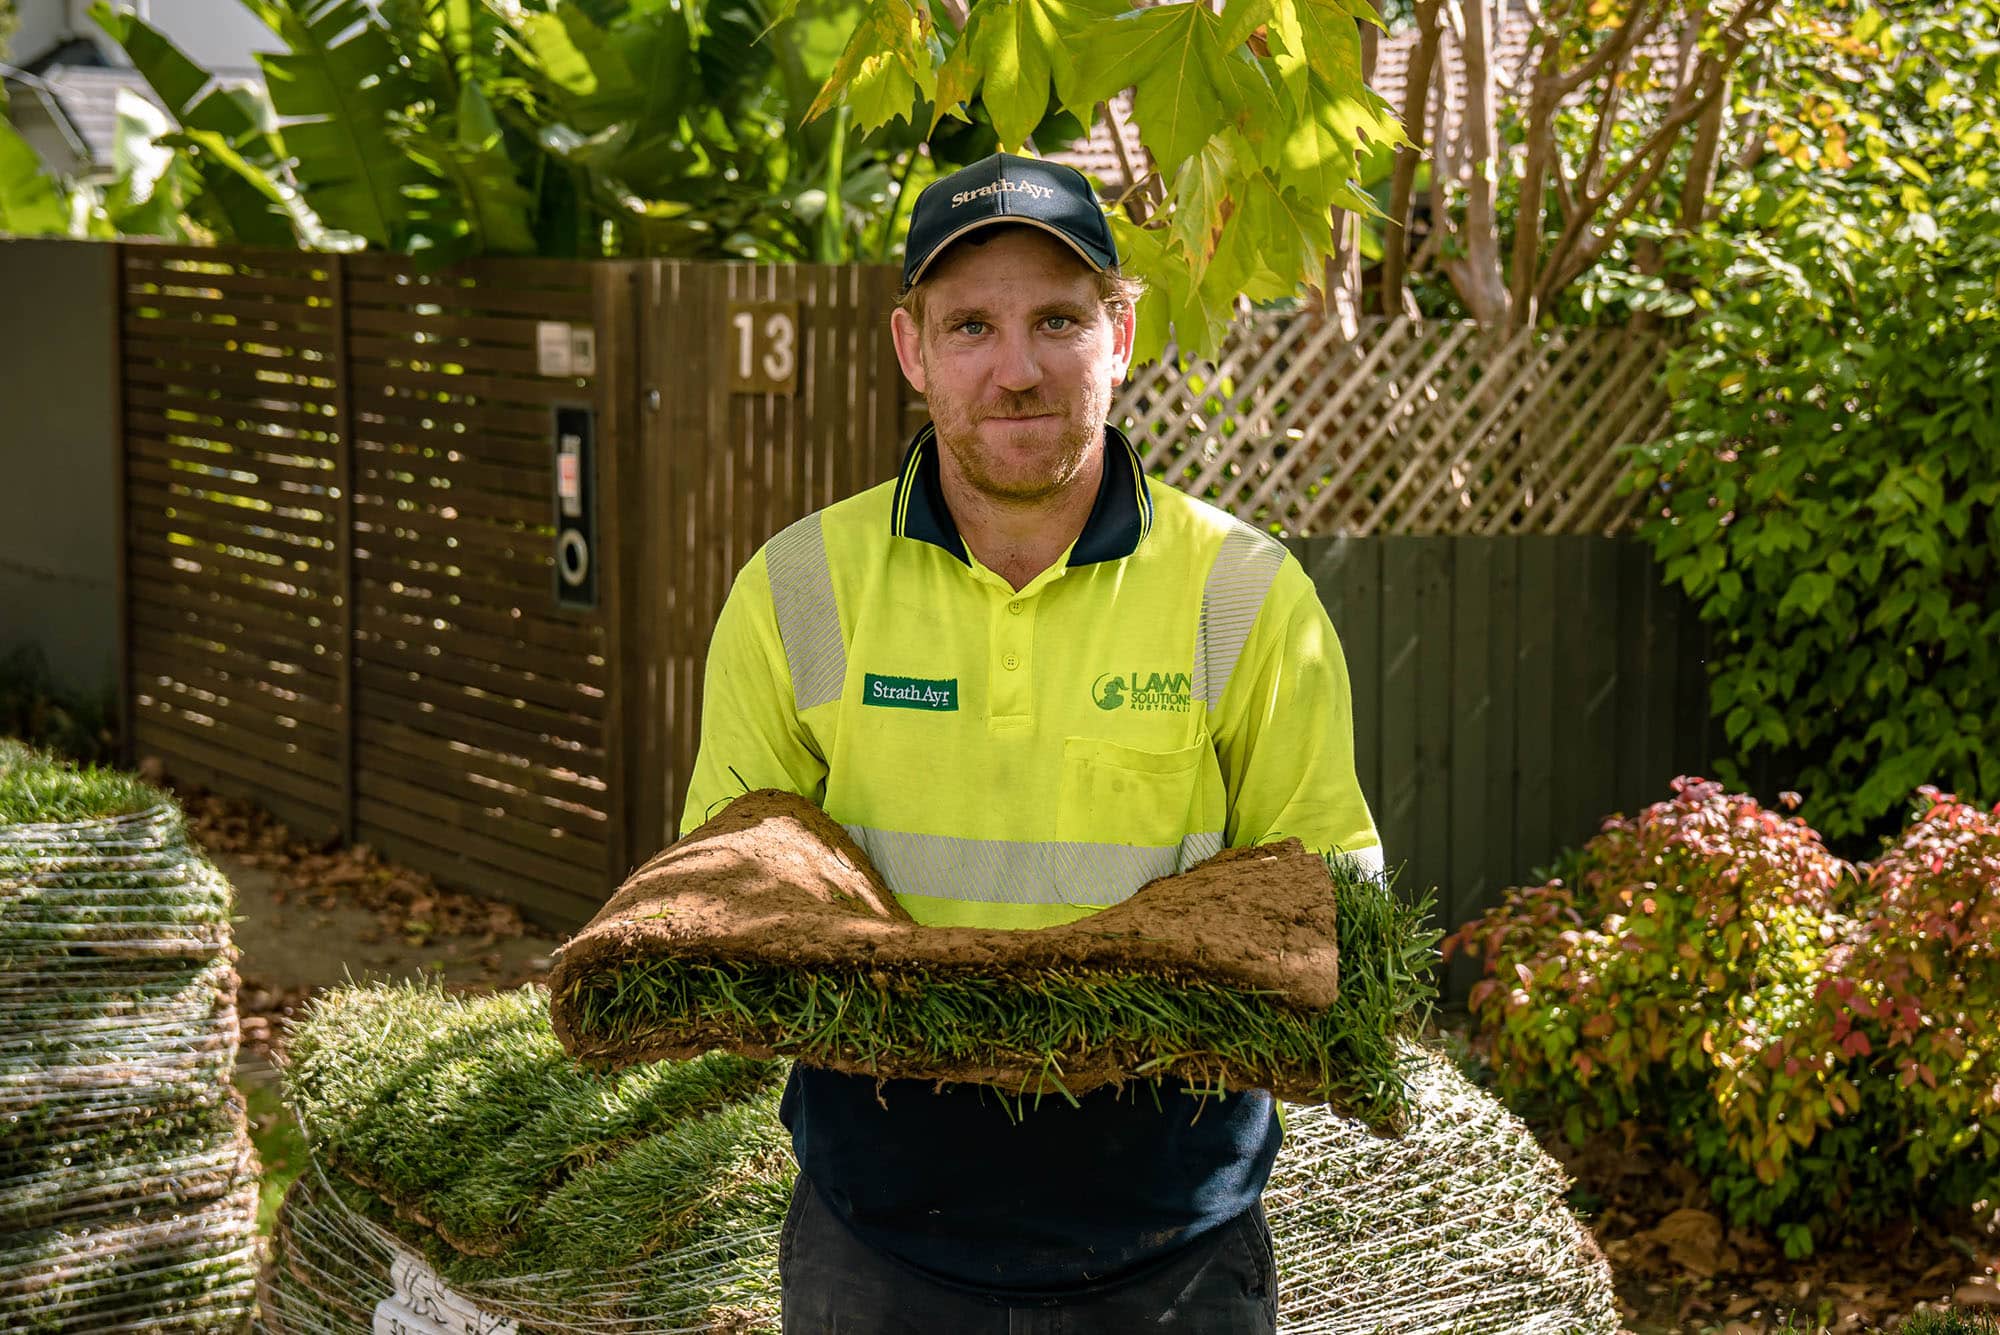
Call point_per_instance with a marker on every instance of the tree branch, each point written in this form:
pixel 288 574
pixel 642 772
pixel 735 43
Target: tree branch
pixel 1702 162
pixel 1543 99
pixel 1614 49
pixel 1575 251
pixel 1130 196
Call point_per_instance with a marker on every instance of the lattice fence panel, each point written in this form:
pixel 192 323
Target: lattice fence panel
pixel 231 457
pixel 1410 427
pixel 481 704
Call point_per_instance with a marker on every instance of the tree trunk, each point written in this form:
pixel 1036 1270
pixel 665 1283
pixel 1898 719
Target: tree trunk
pixel 1416 106
pixel 1478 277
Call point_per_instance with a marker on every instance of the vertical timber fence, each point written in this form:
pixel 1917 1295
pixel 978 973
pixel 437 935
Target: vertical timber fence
pixel 430 560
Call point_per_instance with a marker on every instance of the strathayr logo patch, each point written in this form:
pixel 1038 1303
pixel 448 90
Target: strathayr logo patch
pixel 1146 692
pixel 1003 186
pixel 909 692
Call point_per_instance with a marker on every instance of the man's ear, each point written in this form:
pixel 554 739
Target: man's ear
pixel 909 346
pixel 1124 326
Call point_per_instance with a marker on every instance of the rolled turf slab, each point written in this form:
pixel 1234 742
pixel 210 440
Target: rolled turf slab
pixel 650 1200
pixel 128 1191
pixel 457 1129
pixel 768 933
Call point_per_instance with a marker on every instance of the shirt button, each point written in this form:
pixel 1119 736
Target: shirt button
pixel 1016 606
pixel 1011 661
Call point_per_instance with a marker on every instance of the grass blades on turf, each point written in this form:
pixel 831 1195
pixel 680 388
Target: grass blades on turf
pixel 127 1182
pixel 38 789
pixel 1953 1321
pixel 459 1127
pixel 468 1116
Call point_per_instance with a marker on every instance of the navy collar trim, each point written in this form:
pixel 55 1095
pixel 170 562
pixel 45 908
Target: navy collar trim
pixel 1121 517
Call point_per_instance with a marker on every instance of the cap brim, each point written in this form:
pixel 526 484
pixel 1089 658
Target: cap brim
pixel 1002 220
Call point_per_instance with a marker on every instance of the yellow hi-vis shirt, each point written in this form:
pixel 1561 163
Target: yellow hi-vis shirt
pixel 1170 686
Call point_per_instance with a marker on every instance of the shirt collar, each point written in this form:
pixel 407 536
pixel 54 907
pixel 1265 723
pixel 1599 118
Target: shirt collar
pixel 1121 516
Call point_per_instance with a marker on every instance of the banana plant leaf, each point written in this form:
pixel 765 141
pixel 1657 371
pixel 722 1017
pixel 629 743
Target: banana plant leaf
pixel 341 90
pixel 228 137
pixel 31 204
pixel 488 211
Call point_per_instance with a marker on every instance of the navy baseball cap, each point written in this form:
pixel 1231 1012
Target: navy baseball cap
pixel 1007 189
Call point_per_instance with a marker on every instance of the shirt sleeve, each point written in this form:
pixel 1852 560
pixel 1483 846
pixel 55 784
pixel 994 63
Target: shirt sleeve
pixel 751 734
pixel 1284 733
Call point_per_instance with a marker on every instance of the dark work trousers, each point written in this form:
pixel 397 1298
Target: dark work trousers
pixel 1223 1284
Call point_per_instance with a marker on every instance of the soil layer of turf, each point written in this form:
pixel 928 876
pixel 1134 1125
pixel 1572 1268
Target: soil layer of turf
pixel 767 932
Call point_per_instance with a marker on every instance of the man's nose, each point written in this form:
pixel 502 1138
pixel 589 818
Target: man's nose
pixel 1018 365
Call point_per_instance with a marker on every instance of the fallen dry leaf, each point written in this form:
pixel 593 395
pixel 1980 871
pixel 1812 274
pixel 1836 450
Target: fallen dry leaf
pixel 1979 1291
pixel 1693 1238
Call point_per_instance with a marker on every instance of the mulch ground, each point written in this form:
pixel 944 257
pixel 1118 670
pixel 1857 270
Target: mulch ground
pixel 1680 1268
pixel 409 910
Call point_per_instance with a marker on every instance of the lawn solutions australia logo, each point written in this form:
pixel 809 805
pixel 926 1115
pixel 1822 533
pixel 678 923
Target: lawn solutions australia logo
pixel 1142 691
pixel 909 692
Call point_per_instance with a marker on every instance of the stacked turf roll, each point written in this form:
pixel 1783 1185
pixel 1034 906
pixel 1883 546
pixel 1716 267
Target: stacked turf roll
pixel 128 1187
pixel 461 1160
pixel 455 1135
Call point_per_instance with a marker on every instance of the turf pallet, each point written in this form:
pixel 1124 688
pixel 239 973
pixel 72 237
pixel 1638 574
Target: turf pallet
pixel 127 1181
pixel 452 1138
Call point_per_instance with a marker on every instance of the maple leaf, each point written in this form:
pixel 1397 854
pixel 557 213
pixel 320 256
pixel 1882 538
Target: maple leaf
pixel 1022 50
pixel 889 64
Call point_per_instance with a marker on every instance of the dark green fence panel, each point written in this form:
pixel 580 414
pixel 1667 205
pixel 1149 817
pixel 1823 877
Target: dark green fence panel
pixel 1509 694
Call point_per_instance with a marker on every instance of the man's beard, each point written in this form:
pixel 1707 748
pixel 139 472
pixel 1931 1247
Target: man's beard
pixel 957 432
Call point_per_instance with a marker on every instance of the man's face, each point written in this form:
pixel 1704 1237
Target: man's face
pixel 1017 358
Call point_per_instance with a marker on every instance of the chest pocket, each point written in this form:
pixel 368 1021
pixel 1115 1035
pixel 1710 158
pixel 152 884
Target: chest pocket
pixel 1113 794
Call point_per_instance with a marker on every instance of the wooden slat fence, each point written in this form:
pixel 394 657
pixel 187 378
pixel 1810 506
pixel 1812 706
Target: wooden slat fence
pixel 1410 427
pixel 341 577
pixel 234 468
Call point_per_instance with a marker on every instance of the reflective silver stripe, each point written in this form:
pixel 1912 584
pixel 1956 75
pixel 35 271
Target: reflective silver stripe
pixel 1367 861
pixel 808 616
pixel 1230 601
pixel 998 871
pixel 1199 848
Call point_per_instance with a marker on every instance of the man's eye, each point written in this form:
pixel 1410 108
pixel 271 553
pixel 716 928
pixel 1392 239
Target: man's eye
pixel 974 327
pixel 1058 323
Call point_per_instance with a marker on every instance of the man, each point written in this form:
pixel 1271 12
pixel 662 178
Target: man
pixel 1028 680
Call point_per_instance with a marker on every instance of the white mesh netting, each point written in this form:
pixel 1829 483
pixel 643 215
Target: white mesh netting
pixel 1458 1226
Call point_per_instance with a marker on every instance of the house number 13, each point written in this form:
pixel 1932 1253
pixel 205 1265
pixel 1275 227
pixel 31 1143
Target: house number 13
pixel 763 347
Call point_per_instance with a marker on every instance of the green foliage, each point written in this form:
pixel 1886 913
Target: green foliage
pixel 1809 1040
pixel 1256 117
pixel 1832 498
pixel 448 128
pixel 37 788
